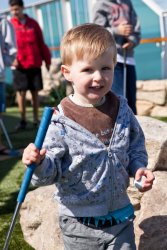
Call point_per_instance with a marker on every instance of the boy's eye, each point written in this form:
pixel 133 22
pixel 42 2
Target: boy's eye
pixel 86 70
pixel 106 68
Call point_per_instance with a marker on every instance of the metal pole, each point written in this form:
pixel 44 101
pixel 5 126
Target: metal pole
pixel 124 73
pixel 47 114
pixel 11 228
pixel 6 134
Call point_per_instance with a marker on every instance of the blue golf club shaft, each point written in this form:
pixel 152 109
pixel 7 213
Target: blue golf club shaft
pixel 46 118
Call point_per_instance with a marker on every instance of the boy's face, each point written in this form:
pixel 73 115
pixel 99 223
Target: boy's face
pixel 91 79
pixel 17 11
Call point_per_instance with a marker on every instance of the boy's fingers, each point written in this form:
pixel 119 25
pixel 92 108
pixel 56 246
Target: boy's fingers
pixel 139 174
pixel 150 176
pixel 43 152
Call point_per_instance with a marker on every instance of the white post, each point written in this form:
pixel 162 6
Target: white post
pixel 163 29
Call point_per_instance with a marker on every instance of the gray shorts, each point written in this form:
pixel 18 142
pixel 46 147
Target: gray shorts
pixel 77 236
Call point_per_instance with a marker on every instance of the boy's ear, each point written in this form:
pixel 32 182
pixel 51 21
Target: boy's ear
pixel 66 72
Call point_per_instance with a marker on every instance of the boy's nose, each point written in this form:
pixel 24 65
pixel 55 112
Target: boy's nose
pixel 97 75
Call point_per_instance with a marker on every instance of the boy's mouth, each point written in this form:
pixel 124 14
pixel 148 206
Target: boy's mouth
pixel 96 87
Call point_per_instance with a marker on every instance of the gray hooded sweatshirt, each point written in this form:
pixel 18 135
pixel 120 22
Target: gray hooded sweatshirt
pixel 91 179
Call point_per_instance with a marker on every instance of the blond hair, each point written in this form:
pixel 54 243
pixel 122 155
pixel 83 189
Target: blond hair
pixel 86 41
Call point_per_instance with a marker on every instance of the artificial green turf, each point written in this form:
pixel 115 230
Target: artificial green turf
pixel 20 139
pixel 11 175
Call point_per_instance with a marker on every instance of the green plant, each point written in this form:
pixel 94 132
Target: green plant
pixel 58 93
pixel 164 119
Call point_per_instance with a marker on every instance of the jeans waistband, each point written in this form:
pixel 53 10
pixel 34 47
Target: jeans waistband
pixel 112 218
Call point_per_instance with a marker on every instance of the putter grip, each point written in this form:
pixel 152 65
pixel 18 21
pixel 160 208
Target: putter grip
pixel 46 118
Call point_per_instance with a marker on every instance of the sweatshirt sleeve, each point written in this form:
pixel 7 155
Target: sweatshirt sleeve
pixel 49 171
pixel 103 17
pixel 134 20
pixel 10 49
pixel 45 52
pixel 137 151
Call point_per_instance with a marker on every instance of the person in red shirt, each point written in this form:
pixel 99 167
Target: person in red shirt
pixel 32 50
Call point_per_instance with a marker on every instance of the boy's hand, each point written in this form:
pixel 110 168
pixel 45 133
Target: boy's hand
pixel 32 154
pixel 147 181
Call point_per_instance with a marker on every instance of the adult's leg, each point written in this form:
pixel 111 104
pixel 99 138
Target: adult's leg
pixel 2 97
pixel 117 85
pixel 131 87
pixel 20 85
pixel 21 101
pixel 21 104
pixel 35 84
pixel 35 103
pixel 2 146
pixel 3 149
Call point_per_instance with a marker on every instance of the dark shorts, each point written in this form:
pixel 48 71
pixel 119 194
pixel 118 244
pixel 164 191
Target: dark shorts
pixel 27 79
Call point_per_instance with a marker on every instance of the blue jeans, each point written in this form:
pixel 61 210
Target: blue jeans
pixel 2 97
pixel 118 82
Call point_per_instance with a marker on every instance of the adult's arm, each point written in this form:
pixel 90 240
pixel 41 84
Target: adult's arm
pixel 9 39
pixel 45 52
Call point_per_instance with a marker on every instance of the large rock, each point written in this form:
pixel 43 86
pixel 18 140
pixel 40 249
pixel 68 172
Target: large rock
pixel 39 220
pixel 159 111
pixel 39 213
pixel 152 97
pixel 152 85
pixel 151 223
pixel 144 107
pixel 155 132
pixel 157 97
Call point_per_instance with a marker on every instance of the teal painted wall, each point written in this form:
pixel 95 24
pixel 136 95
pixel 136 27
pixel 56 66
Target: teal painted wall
pixel 148 56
